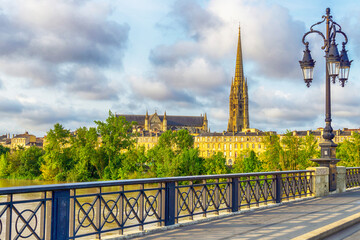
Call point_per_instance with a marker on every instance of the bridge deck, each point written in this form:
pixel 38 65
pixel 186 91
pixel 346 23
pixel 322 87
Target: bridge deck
pixel 282 222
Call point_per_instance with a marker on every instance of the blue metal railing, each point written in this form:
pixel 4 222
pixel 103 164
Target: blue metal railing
pixel 352 177
pixel 97 209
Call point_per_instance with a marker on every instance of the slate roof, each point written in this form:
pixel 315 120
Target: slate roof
pixel 140 119
pixel 190 121
pixel 22 135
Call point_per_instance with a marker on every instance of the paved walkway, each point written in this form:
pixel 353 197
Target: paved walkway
pixel 282 222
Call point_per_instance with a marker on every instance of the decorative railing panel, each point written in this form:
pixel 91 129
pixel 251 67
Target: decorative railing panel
pixel 25 218
pixel 352 177
pixel 99 209
pixel 257 190
pixel 202 198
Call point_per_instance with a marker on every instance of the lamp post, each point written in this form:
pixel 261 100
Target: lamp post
pixel 337 66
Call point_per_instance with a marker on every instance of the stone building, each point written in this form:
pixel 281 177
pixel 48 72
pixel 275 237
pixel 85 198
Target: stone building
pixel 232 144
pixel 161 123
pixel 5 140
pixel 24 140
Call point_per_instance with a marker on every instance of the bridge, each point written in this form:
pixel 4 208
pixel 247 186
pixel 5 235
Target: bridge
pixel 268 205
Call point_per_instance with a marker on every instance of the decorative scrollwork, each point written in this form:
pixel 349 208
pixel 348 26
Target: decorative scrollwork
pixel 211 197
pixel 324 18
pixel 223 194
pixel 150 205
pixel 184 196
pixel 198 200
pixel 109 211
pixel 30 223
pixel 84 215
pixel 131 208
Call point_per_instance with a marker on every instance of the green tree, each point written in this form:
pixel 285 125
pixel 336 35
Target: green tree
pixel 163 161
pixel 349 151
pixel 247 162
pixel 216 164
pixel 134 164
pixel 30 162
pixel 4 166
pixel 4 150
pixel 184 140
pixel 291 151
pixel 167 139
pixel 174 155
pixel 85 155
pixel 309 150
pixel 190 163
pixel 57 158
pixel 14 162
pixel 116 138
pixel 273 153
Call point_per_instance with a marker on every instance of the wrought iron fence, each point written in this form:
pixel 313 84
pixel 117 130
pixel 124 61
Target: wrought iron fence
pixel 352 177
pixel 97 209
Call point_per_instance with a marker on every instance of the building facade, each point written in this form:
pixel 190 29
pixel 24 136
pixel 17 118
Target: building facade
pixel 238 99
pixel 5 140
pixel 24 140
pixel 160 123
pixel 233 144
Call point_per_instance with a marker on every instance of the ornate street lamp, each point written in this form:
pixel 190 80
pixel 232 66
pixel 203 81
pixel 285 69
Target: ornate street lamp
pixel 307 65
pixel 337 66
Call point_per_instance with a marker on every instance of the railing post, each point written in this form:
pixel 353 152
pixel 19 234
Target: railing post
pixel 235 194
pixel 60 215
pixel 204 197
pixel 170 203
pixel 340 179
pixel 191 204
pixel 8 217
pixel 278 188
pixel 320 183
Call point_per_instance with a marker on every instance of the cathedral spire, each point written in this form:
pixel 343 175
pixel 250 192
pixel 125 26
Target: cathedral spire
pixel 239 71
pixel 238 99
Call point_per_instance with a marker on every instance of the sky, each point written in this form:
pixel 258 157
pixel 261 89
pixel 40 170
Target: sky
pixel 73 61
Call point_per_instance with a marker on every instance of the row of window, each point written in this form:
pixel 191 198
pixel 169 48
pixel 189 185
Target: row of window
pixel 231 154
pixel 241 145
pixel 18 140
pixel 150 139
pixel 253 146
pixel 229 139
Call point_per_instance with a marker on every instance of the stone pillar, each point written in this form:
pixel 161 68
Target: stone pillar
pixel 320 183
pixel 340 179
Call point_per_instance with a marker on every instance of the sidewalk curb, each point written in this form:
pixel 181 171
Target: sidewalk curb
pixel 330 229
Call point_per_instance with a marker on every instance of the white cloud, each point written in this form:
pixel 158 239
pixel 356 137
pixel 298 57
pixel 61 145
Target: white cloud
pixel 41 36
pixel 60 59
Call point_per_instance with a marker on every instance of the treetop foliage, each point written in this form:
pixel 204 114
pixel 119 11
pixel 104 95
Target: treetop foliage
pixel 108 151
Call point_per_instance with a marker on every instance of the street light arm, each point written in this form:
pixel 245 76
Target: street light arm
pixel 311 28
pixel 337 25
pixel 345 37
pixel 314 31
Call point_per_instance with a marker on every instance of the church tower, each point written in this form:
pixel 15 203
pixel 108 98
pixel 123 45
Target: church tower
pixel 238 100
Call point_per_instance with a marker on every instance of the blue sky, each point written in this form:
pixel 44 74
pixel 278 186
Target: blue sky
pixel 72 61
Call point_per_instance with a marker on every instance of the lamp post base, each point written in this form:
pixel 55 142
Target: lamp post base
pixel 328 159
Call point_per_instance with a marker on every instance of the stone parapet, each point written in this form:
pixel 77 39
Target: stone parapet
pixel 320 183
pixel 340 179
